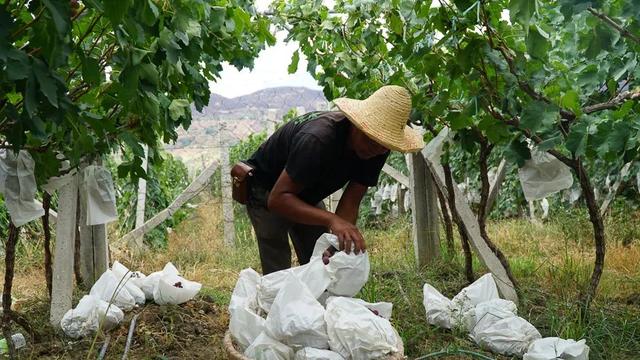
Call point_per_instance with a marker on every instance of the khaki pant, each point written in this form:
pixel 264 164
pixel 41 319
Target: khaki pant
pixel 273 232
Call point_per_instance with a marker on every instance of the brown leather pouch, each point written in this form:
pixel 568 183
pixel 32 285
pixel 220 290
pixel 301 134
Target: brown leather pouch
pixel 241 173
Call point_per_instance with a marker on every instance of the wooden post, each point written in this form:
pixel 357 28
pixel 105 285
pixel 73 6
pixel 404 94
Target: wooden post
pixel 63 259
pixel 472 228
pixel 426 240
pixel 494 187
pixel 225 183
pixel 141 201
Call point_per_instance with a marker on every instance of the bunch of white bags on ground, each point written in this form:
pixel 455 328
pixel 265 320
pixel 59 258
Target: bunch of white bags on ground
pixel 119 289
pixel 87 317
pixel 493 323
pixel 553 348
pixel 296 319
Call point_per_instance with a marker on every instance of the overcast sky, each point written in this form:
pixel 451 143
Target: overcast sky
pixel 270 68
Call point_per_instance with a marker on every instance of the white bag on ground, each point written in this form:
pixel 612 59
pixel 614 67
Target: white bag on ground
pixel 481 290
pixel 174 289
pixel 317 354
pixel 85 318
pixel 246 290
pixel 357 333
pixel 489 312
pixel 122 272
pixel 552 348
pixel 349 272
pixel 149 283
pixel 314 275
pixel 297 318
pixel 437 307
pixel 110 289
pixel 266 348
pixel 244 324
pixel 382 309
pixel 510 336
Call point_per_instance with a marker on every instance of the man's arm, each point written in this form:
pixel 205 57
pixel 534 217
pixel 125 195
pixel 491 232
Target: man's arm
pixel 284 200
pixel 349 204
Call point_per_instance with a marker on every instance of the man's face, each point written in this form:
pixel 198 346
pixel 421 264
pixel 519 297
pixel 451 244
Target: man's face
pixel 365 147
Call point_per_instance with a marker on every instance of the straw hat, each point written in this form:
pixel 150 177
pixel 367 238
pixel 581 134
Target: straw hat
pixel 383 117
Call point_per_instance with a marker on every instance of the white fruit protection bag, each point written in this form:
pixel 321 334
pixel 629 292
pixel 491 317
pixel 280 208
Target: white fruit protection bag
pixel 317 354
pixel 355 332
pixel 110 289
pixel 510 336
pixel 437 306
pixel 245 324
pixel 297 318
pixel 552 348
pixel 349 272
pixel 127 276
pixel 266 348
pixel 314 275
pixel 86 317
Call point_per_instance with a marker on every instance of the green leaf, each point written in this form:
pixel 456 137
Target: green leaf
pixel 571 100
pixel 521 11
pixel 538 115
pixel 177 108
pixel 538 44
pixel 47 83
pixel 517 152
pixel 396 24
pixel 30 97
pixel 115 10
pixel 603 39
pixel 619 137
pixel 91 71
pixel 577 139
pixel 60 13
pixel 293 67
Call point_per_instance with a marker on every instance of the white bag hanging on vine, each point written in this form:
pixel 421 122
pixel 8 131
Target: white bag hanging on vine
pixel 543 175
pixel 266 348
pixel 110 289
pixel 355 332
pixel 552 348
pixel 349 272
pixel 317 354
pixel 18 184
pixel 296 317
pixel 101 196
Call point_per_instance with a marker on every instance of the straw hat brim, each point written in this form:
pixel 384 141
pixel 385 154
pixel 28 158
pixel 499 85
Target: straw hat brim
pixel 407 140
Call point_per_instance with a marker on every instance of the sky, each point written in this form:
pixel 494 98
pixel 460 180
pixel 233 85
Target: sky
pixel 270 68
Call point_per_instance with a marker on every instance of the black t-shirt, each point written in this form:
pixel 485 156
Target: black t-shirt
pixel 313 148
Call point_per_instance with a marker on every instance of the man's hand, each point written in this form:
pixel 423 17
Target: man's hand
pixel 348 235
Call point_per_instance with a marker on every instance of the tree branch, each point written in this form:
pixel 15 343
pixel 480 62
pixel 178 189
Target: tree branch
pixel 624 32
pixel 613 103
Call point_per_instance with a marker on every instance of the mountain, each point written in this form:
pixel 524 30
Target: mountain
pixel 236 118
pixel 279 98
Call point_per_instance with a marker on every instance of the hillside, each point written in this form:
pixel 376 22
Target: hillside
pixel 238 118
